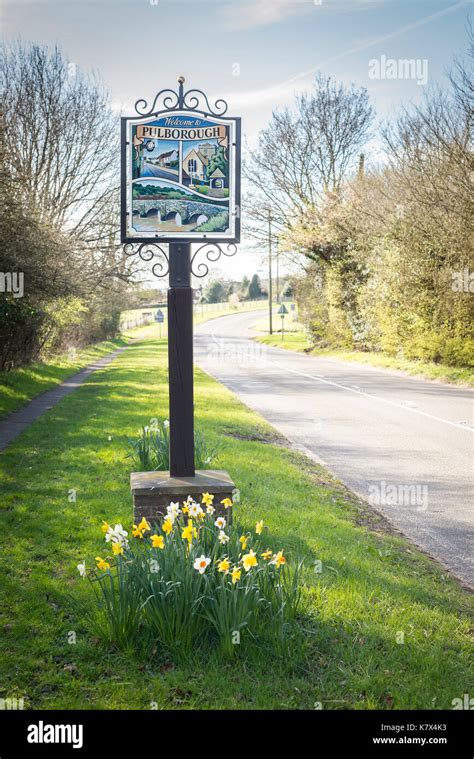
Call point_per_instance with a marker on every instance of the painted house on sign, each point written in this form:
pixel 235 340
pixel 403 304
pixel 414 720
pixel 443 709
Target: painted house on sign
pixel 196 168
pixel 168 158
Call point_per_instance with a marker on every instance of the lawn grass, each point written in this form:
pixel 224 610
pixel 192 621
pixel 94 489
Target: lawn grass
pixel 22 385
pixel 385 627
pixel 297 340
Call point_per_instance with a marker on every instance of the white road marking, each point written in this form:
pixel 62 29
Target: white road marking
pixel 369 395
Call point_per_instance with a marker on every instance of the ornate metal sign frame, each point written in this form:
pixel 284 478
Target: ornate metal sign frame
pixel 195 105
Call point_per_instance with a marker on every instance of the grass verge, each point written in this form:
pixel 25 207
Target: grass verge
pixel 384 626
pixel 297 340
pixel 22 385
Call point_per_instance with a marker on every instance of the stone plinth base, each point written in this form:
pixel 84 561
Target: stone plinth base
pixel 153 491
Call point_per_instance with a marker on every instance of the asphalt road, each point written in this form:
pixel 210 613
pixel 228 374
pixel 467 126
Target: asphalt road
pixel 404 444
pixel 150 170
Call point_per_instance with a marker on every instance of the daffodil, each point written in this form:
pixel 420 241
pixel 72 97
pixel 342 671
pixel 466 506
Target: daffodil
pixel 81 568
pixel 207 499
pixel 189 532
pixel 223 566
pixel 222 537
pixel 116 535
pixel 278 559
pixel 226 502
pixel 105 527
pixel 173 510
pixel 144 526
pixel 210 509
pixel 267 554
pixel 102 564
pixel 201 564
pixel 157 541
pixel 117 549
pixel 167 526
pixel 243 542
pixel 259 527
pixel 249 560
pixel 220 523
pixel 236 573
pixel 195 510
pixel 137 532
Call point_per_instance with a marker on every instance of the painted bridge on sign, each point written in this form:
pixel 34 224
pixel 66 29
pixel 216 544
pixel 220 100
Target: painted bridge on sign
pixel 188 211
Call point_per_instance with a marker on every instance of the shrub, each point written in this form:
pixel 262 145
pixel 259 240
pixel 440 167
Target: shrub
pixel 191 580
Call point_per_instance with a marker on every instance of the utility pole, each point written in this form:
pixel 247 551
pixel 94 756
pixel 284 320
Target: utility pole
pixel 278 274
pixel 270 289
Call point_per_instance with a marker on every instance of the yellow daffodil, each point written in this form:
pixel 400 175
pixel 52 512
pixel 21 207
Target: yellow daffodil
pixel 144 526
pixel 259 527
pixel 105 527
pixel 189 532
pixel 102 564
pixel 243 542
pixel 223 566
pixel 137 532
pixel 157 541
pixel 249 560
pixel 167 526
pixel 117 549
pixel 226 502
pixel 185 508
pixel 278 559
pixel 207 499
pixel 236 573
pixel 266 554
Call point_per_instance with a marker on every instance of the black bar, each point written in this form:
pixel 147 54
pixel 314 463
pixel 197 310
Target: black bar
pixel 180 361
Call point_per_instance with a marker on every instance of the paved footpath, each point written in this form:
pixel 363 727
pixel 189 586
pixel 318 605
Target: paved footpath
pixel 14 424
pixel 402 443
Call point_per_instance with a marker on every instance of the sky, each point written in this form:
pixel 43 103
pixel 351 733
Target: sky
pixel 256 54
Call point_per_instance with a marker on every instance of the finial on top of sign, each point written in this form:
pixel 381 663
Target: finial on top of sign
pixel 191 100
pixel 181 92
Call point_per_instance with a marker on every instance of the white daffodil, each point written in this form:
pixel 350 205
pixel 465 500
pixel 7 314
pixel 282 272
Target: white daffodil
pixel 222 537
pixel 220 523
pixel 201 564
pixel 194 509
pixel 117 535
pixel 173 510
pixel 166 423
pixel 81 568
pixel 210 509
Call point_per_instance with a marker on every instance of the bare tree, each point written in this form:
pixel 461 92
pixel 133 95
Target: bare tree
pixel 61 138
pixel 61 148
pixel 304 156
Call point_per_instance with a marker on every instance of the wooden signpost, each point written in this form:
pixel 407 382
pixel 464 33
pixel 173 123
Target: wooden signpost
pixel 180 184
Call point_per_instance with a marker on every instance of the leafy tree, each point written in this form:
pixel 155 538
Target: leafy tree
pixel 218 161
pixel 255 289
pixel 216 292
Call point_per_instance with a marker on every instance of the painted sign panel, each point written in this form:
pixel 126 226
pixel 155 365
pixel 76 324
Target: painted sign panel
pixel 180 177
